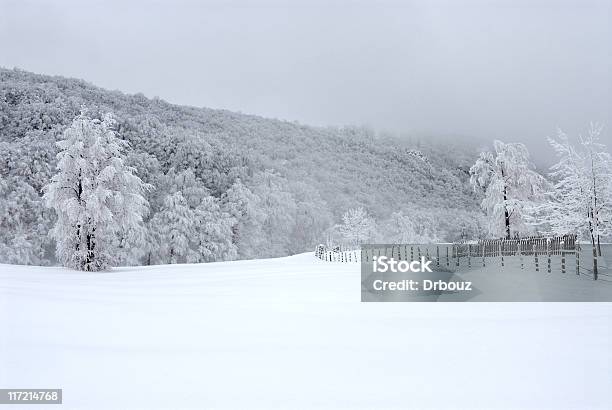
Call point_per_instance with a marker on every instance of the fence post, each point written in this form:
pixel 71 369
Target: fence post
pixel 438 256
pixel 595 264
pixel 577 251
pixel 562 261
pixel 458 257
pixel 535 254
pixel 484 246
pixel 469 256
pixel 548 252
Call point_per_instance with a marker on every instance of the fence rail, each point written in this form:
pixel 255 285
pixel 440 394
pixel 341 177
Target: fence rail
pixel 338 254
pixel 558 245
pixel 562 253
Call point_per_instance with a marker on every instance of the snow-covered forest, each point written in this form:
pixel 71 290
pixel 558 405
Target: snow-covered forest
pixel 91 178
pixel 218 185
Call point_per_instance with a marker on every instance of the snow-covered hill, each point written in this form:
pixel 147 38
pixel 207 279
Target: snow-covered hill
pixel 288 333
pixel 296 180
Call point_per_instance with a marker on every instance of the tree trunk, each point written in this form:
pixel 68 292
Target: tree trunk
pixel 79 192
pixel 78 238
pixel 506 215
pixel 598 245
pixel 594 257
pixel 89 258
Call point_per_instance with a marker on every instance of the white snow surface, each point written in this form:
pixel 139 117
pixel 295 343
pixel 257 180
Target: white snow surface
pixel 289 333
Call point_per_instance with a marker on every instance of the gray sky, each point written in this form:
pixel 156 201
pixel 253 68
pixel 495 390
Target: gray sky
pixel 513 70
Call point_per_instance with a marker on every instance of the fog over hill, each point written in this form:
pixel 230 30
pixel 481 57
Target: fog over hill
pixel 506 69
pixel 299 179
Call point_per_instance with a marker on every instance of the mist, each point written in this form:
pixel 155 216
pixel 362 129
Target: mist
pixel 474 70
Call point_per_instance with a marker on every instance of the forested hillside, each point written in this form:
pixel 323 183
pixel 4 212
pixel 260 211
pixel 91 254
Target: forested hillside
pixel 226 185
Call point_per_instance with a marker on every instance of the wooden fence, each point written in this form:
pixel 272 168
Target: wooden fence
pixel 338 254
pixel 533 251
pixel 515 247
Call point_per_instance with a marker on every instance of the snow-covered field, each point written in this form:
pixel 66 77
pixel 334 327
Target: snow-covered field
pixel 289 333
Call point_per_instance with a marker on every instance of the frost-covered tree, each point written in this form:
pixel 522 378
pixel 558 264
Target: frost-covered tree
pixel 31 158
pixel 136 246
pixel 244 206
pixel 190 226
pixel 23 223
pixel 25 167
pixel 581 199
pixel 278 208
pixel 131 245
pixel 357 227
pixel 94 194
pixel 599 171
pixel 187 183
pixel 213 233
pixel 173 231
pixel 312 218
pixel 510 185
pixel 412 226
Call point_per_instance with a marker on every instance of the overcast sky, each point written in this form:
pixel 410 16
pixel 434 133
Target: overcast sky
pixel 513 70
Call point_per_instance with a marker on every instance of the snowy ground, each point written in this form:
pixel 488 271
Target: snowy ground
pixel 289 333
